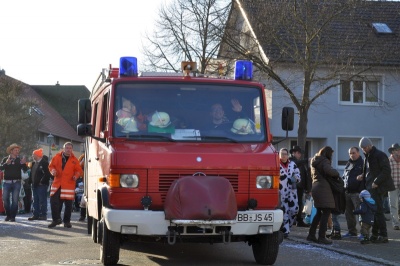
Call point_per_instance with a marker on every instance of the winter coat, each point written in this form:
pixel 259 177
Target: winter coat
pixel 321 169
pixel 42 175
pixel 65 178
pixel 306 181
pixel 379 173
pixel 367 210
pixel 351 171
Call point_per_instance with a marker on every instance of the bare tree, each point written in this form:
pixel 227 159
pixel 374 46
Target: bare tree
pixel 303 35
pixel 18 119
pixel 187 30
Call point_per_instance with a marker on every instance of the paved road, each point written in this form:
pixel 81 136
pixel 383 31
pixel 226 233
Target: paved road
pixel 32 243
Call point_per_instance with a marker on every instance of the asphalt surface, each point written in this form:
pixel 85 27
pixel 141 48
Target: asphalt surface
pixel 384 253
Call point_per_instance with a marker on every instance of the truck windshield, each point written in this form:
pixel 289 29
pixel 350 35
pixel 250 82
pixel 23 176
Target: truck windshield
pixel 188 112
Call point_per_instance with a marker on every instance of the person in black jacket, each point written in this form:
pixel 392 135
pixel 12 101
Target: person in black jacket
pixel 11 167
pixel 378 182
pixel 305 184
pixel 353 187
pixel 39 179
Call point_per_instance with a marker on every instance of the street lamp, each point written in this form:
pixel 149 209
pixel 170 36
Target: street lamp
pixel 50 139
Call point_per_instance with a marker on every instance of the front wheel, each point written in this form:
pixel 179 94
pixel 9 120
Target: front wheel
pixel 265 248
pixel 110 245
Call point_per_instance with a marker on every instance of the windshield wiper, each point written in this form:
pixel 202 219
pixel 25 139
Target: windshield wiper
pixel 219 138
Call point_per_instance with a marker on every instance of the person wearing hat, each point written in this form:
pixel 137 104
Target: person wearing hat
pixel 65 168
pixel 366 210
pixel 12 166
pixel 378 182
pixel 39 179
pixel 394 160
pixel 305 183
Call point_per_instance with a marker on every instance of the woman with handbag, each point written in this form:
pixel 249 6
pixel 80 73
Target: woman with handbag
pixel 321 170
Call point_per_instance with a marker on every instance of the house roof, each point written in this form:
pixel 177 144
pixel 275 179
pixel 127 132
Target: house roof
pixel 349 35
pixel 52 122
pixel 63 99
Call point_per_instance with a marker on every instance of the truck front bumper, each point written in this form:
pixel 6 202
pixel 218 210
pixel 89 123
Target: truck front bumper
pixel 153 223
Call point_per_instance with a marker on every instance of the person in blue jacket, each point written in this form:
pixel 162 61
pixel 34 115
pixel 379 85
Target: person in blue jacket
pixel 367 211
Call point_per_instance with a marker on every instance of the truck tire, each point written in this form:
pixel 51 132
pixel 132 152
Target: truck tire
pixel 94 230
pixel 110 245
pixel 89 225
pixel 265 248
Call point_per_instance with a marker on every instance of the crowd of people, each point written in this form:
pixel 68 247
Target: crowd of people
pixel 366 184
pixel 64 169
pixel 362 190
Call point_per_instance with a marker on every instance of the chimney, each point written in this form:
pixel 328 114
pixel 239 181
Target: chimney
pixel 2 72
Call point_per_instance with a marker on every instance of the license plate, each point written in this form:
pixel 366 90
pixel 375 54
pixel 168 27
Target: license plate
pixel 255 217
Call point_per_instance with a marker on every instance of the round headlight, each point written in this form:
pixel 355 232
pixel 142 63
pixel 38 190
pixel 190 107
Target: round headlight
pixel 129 181
pixel 264 181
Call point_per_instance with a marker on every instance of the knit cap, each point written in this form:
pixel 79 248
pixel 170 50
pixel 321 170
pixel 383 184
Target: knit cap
pixel 364 142
pixel 38 152
pixel 365 194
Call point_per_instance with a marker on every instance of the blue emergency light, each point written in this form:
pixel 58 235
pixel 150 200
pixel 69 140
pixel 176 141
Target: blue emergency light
pixel 243 70
pixel 128 67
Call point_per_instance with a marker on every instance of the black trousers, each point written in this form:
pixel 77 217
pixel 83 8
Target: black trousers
pixel 321 218
pixel 379 227
pixel 300 192
pixel 56 207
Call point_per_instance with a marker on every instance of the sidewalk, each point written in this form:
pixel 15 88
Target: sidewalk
pixel 385 254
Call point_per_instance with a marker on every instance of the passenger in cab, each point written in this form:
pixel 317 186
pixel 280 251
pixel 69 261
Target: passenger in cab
pixel 129 118
pixel 218 118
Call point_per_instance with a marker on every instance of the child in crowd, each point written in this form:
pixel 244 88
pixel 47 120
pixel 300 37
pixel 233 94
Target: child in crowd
pixel 367 211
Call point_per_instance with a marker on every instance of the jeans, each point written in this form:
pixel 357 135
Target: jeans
pixel 352 203
pixel 336 224
pixel 394 206
pixel 40 201
pixel 12 189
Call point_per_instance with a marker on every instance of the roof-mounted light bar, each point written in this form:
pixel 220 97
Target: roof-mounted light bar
pixel 128 67
pixel 243 70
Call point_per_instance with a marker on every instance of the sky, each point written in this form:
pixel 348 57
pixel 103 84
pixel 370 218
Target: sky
pixel 43 42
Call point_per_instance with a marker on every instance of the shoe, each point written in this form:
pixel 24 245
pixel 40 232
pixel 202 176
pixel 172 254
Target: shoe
pixel 302 224
pixel 365 240
pixel 312 238
pixel 348 234
pixel 285 235
pixel 324 240
pixel 7 219
pixel 12 219
pixel 336 236
pixel 42 218
pixel 54 224
pixel 68 225
pixel 396 227
pixel 33 218
pixel 379 239
pixel 361 237
pixel 82 219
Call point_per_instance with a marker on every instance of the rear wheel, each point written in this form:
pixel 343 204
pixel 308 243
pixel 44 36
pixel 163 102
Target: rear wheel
pixel 265 248
pixel 110 245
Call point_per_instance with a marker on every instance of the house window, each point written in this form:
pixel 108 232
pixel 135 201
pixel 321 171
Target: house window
pixel 360 92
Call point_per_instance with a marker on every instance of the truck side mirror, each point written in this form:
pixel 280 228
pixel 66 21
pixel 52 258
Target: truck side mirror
pixel 287 118
pixel 84 111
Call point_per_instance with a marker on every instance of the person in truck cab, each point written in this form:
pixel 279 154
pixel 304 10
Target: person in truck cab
pixel 218 117
pixel 129 118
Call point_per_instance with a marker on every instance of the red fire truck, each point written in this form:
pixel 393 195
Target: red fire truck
pixel 180 158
